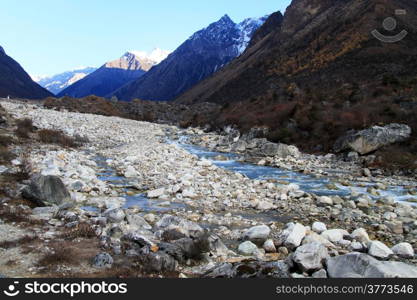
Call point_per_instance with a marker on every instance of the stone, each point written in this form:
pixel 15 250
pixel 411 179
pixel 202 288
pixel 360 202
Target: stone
pixel 313 237
pixel 294 234
pixel 369 140
pixel 320 274
pixel 360 235
pixel 334 235
pixel 359 265
pixel 157 262
pixel 310 257
pixel 103 260
pixel 269 246
pixel 248 249
pixel 257 234
pixel 379 250
pixel 182 226
pixel 324 201
pixel 130 172
pixel 319 227
pixel 367 172
pixel 46 191
pixel 156 193
pixel 279 150
pixel 403 250
pixel 138 222
pixel 116 215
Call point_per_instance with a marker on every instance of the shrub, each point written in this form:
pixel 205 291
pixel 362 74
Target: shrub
pixel 5 155
pixel 24 127
pixel 5 140
pixel 49 136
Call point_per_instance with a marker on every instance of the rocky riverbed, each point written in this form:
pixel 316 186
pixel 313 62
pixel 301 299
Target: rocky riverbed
pixel 156 206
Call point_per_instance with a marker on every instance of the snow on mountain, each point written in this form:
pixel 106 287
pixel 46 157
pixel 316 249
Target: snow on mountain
pixel 247 28
pixel 57 83
pixel 204 53
pixel 157 55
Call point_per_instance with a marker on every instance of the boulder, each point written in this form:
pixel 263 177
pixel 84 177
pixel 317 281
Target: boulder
pixel 254 269
pixel 280 150
pixel 369 140
pixel 334 235
pixel 404 250
pixel 116 215
pixel 257 234
pixel 138 222
pixel 324 201
pixel 379 250
pixel 248 249
pixel 310 257
pixel 360 235
pixel 182 226
pixel 269 246
pixel 359 265
pixel 156 193
pixel 46 191
pixel 319 227
pixel 294 234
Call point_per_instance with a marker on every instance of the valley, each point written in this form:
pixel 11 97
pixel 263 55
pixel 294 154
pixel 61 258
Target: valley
pixel 146 204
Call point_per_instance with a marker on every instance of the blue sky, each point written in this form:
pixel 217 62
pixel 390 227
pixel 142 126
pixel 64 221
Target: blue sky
pixel 50 36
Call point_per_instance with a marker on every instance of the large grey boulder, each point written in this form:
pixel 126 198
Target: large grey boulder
pixel 257 234
pixel 359 265
pixel 310 257
pixel 46 191
pixel 293 235
pixel 181 226
pixel 374 138
pixel 280 150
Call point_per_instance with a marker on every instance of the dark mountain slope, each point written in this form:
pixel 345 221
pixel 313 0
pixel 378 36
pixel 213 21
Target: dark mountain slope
pixel 15 82
pixel 201 55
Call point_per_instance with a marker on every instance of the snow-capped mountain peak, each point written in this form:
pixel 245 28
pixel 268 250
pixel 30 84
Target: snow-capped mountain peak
pixel 59 82
pixel 156 56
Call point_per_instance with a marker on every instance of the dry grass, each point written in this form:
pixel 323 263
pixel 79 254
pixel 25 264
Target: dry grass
pixel 17 215
pixel 27 239
pixel 58 256
pixel 24 128
pixel 5 140
pixel 82 230
pixel 6 155
pixel 49 136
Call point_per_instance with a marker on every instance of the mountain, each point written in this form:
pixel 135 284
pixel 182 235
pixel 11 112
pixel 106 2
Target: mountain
pixel 205 52
pixel 321 67
pixel 114 74
pixel 320 43
pixel 57 83
pixel 15 82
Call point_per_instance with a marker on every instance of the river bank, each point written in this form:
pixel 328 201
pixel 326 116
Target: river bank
pixel 153 202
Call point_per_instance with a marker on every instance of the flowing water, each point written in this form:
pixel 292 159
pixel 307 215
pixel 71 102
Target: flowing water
pixel 308 183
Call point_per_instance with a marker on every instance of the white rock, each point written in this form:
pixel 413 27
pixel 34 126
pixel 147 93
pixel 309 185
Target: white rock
pixel 319 227
pixel 324 201
pixel 156 193
pixel 248 249
pixel 257 234
pixel 404 250
pixel 269 246
pixel 130 172
pixel 310 257
pixel 296 233
pixel 379 250
pixel 360 235
pixel 334 235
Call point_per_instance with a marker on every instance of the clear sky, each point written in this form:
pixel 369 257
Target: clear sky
pixel 51 36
